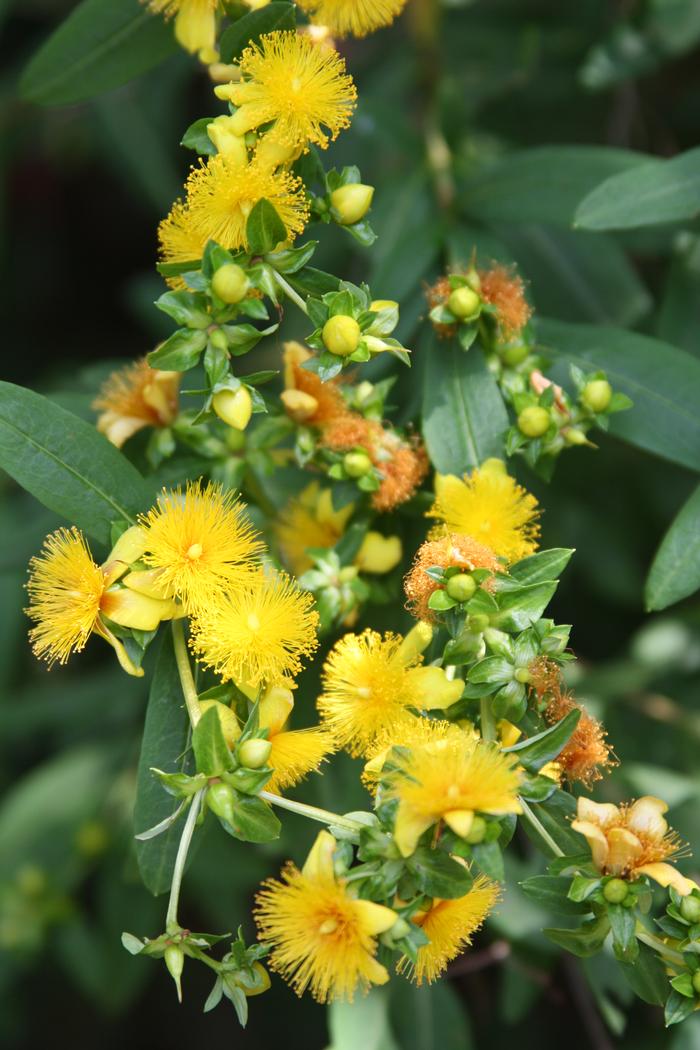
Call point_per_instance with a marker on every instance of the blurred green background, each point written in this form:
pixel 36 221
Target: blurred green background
pixel 84 187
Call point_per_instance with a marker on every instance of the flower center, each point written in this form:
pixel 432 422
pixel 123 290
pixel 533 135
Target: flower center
pixel 328 926
pixel 253 622
pixel 194 552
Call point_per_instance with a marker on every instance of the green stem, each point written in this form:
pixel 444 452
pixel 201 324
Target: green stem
pixel 171 922
pixel 530 818
pixel 488 723
pixel 658 945
pixel 323 816
pixel 189 689
pixel 289 291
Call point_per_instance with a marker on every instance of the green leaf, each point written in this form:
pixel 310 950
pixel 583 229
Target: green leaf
pixel 521 608
pixel 660 191
pixel 555 816
pixel 264 228
pixel 647 976
pixel 677 1008
pixel 622 923
pixel 464 418
pixel 541 567
pixel 212 756
pixel 537 750
pixel 247 30
pixel 551 891
pixel 102 44
pixel 197 138
pixel 438 874
pixel 587 940
pixel 66 464
pixel 663 382
pixel 165 745
pixel 255 821
pixel 362 1024
pixel 180 352
pixel 675 570
pixel 491 669
pixel 544 184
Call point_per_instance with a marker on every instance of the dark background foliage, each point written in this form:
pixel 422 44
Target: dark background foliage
pixel 84 188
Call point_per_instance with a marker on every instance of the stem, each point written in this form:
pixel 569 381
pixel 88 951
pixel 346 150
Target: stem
pixel 323 816
pixel 534 823
pixel 180 861
pixel 488 724
pixel 189 690
pixel 289 291
pixel 658 945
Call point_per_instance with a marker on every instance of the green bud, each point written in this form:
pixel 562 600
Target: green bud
pixel 348 573
pixel 254 753
pixel 515 355
pixel 221 801
pixel 533 422
pixel 596 395
pixel 690 909
pixel 352 202
pixel 401 928
pixel 461 587
pixel 464 303
pixel 218 339
pixel 478 622
pixel 341 335
pixel 615 891
pixel 574 436
pixel 174 958
pixel 357 464
pixel 477 831
pixel 695 981
pixel 230 283
pixel 522 675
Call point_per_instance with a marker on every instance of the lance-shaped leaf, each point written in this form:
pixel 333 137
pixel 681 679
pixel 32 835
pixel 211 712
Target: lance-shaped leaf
pixel 212 756
pixel 537 750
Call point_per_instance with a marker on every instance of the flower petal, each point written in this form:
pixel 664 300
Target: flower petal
pixel 460 820
pixel 601 813
pixel 595 839
pixel 645 816
pixel 432 690
pixel 667 875
pixel 623 849
pixel 408 828
pixel 374 918
pixel 319 863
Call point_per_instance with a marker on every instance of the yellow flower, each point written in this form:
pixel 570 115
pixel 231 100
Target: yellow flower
pixel 295 84
pixel 417 732
pixel 491 507
pixel 199 542
pixel 195 21
pixel 370 685
pixel 449 924
pixel 220 195
pixel 358 17
pixel 296 752
pixel 632 840
pixel 135 397
pixel 309 521
pixel 450 780
pixel 258 632
pixel 321 937
pixel 70 596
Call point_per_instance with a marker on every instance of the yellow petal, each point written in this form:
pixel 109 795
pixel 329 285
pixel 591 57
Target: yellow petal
pixel 377 973
pixel 374 918
pixel 117 428
pixel 645 816
pixel 416 641
pixel 408 828
pixel 667 875
pixel 447 486
pixel 328 515
pixel 123 657
pixel 319 863
pixel 294 355
pixel 195 25
pixel 148 582
pixel 232 146
pixel 130 609
pixel 595 839
pixel 460 820
pixel 432 690
pixel 275 708
pixel 298 404
pixel 508 733
pixel 623 849
pixel 378 554
pixel 130 546
pixel 601 813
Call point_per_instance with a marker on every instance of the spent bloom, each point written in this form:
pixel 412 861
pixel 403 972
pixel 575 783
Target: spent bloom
pixel 321 938
pixel 449 926
pixel 632 840
pixel 449 780
pixel 491 507
pixel 299 87
pixel 199 542
pixel 504 289
pixel 450 551
pixel 135 397
pixel 306 398
pixel 356 17
pixel 372 682
pixel 258 632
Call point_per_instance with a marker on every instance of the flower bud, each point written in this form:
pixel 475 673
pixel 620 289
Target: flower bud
pixel 254 753
pixel 352 202
pixel 690 909
pixel 493 465
pixel 464 303
pixel 230 282
pixel 221 801
pixel 275 708
pixel 218 340
pixel 416 641
pixel 375 345
pixel 477 831
pixel 378 554
pixel 478 622
pixel 299 405
pixel 377 305
pixel 234 407
pixel 130 546
pixel 195 27
pixel 615 891
pixel 461 587
pixel 227 720
pixel 522 675
pixel 174 959
pixel 348 573
pixel 357 464
pixel 515 355
pixel 533 422
pixel 574 436
pixel 596 395
pixel 341 335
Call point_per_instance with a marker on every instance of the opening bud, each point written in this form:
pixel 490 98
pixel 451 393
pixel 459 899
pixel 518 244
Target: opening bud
pixel 615 891
pixel 227 720
pixel 234 407
pixel 533 422
pixel 341 335
pixel 477 831
pixel 230 282
pixel 461 587
pixel 596 395
pixel 221 799
pixel 130 546
pixel 416 641
pixel 493 465
pixel 352 202
pixel 299 405
pixel 464 303
pixel 357 464
pixel 254 753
